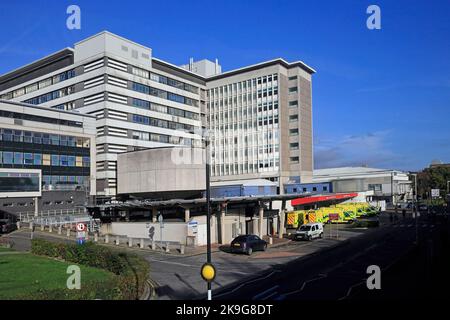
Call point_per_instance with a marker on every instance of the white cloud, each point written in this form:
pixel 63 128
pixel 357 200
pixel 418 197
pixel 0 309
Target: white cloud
pixel 369 149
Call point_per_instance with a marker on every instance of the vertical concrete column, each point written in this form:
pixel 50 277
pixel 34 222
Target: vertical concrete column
pixel 187 214
pixel 59 230
pixel 96 237
pixel 142 243
pixel 130 242
pixel 153 245
pixel 222 225
pixel 117 240
pixel 260 221
pixel 154 213
pixel 68 232
pixel 50 228
pixel 36 209
pixel 42 226
pixel 281 223
pixel 106 238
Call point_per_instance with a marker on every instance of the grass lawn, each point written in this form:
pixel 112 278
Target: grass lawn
pixel 4 249
pixel 26 273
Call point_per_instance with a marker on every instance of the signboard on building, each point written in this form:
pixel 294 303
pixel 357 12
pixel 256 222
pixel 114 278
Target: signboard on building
pixel 435 193
pixel 16 183
pixel 192 228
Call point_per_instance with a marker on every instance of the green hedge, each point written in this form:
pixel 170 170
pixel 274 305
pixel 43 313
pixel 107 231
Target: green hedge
pixel 132 271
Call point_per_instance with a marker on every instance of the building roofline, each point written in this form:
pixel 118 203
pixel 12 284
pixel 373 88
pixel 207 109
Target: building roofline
pixel 48 59
pixel 22 104
pixel 113 35
pixel 281 61
pixel 178 68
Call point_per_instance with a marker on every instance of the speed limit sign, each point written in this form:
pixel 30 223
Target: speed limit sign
pixel 81 227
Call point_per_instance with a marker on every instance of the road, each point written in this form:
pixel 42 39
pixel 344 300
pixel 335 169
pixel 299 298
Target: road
pixel 341 273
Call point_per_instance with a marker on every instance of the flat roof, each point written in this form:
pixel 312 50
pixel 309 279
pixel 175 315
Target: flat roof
pixel 142 204
pixel 249 182
pixel 39 63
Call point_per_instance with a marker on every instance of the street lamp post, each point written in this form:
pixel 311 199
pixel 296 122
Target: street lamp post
pixel 208 212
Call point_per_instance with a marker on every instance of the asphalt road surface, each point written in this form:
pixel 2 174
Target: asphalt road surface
pixel 341 273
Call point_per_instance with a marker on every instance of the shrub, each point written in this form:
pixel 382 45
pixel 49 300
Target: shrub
pixel 132 270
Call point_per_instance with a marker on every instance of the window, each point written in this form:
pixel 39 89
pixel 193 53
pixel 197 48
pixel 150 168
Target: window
pixel 46 160
pixel 293 117
pixel 37 161
pixel 293 103
pixel 18 158
pixel 63 161
pixel 294 159
pixel 293 132
pixel 86 161
pixel 324 188
pixel 293 146
pixel 293 78
pixel 375 187
pixel 292 89
pixel 71 161
pixel 314 189
pixel 78 161
pixel 28 158
pixel 304 189
pixel 8 157
pixel 55 160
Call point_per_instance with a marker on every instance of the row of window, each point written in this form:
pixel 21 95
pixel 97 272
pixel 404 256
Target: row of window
pixel 162 79
pixel 22 116
pixel 163 94
pixel 51 180
pixel 148 136
pixel 43 138
pixel 39 85
pixel 144 104
pixel 51 95
pixel 162 123
pixel 39 159
pixel 244 85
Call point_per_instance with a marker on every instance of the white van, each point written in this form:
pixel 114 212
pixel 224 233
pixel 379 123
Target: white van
pixel 309 231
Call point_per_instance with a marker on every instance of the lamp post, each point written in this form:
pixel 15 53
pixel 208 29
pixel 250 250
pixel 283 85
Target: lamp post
pixel 208 271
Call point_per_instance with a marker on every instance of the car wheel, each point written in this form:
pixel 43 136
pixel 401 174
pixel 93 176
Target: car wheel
pixel 320 235
pixel 249 251
pixel 265 247
pixel 309 238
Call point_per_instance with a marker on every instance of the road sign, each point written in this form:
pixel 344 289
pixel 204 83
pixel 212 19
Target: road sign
pixel 333 216
pixel 81 232
pixel 435 193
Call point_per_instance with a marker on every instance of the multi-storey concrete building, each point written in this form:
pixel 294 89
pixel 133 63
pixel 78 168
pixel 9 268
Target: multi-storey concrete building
pixel 259 116
pixel 54 148
pixel 261 122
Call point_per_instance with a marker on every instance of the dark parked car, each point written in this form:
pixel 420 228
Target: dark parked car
pixel 423 207
pixel 247 244
pixel 7 226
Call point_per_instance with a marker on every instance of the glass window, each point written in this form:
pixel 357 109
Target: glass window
pixel 45 138
pixel 63 161
pixel 18 158
pixel 8 157
pixel 54 138
pixel 86 161
pixel 55 159
pixel 28 158
pixel 79 161
pixel 71 161
pixel 37 159
pixel 46 160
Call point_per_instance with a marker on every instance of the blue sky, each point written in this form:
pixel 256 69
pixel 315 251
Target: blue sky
pixel 380 97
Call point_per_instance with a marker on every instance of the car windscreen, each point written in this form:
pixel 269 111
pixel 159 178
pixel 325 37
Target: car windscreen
pixel 241 238
pixel 305 228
